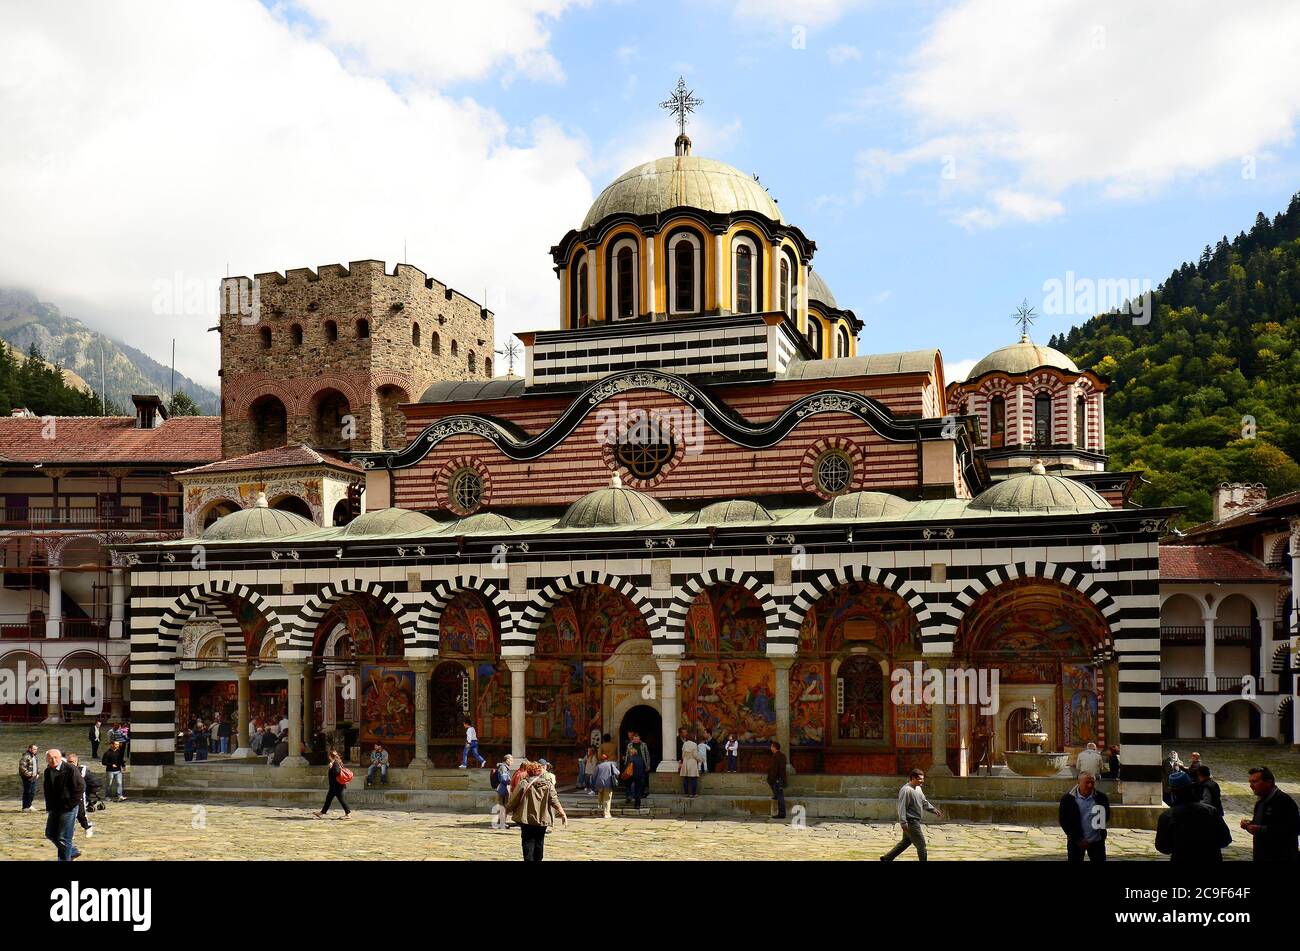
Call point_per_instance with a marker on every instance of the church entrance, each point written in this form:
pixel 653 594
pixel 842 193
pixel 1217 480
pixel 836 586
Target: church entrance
pixel 646 721
pixel 447 693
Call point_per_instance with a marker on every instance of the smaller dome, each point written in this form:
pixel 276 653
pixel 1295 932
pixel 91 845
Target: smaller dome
pixel 483 523
pixel 1036 491
pixel 864 506
pixel 734 510
pixel 1021 358
pixel 613 505
pixel 391 522
pixel 258 522
pixel 818 291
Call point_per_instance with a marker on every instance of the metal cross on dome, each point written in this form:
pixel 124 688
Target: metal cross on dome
pixel 682 103
pixel 1025 317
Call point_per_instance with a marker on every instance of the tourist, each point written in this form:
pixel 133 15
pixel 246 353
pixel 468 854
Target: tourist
pixel 223 734
pixel 114 761
pixel 1190 831
pixel 1171 765
pixel 254 739
pixel 504 772
pixel 339 776
pixel 124 730
pixel 1084 816
pixel 604 781
pixel 636 763
pixel 533 806
pixel 93 736
pixel 471 746
pixel 688 767
pixel 86 781
pixel 284 724
pixel 733 753
pixel 1200 774
pixel 201 737
pixel 280 752
pixel 702 751
pixel 63 792
pixel 186 738
pixel 681 741
pixel 1196 761
pixel 378 764
pixel 587 779
pixel 911 802
pixel 607 746
pixel 548 774
pixel 1088 761
pixel 777 776
pixel 1275 825
pixel 29 767
pixel 1114 764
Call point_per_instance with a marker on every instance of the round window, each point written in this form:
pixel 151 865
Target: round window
pixel 465 490
pixel 644 460
pixel 834 472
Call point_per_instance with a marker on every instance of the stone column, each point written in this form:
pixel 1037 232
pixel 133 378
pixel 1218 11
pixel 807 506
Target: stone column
pixel 422 668
pixel 518 732
pixel 293 670
pixel 939 731
pixel 117 586
pixel 308 688
pixel 668 667
pixel 963 739
pixel 1209 654
pixel 242 750
pixel 117 684
pixel 1209 726
pixel 1266 646
pixel 54 618
pixel 781 671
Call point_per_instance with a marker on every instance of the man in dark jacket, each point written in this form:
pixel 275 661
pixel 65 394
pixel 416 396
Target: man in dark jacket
pixel 63 791
pixel 1275 825
pixel 776 778
pixel 1190 830
pixel 1084 816
pixel 93 735
pixel 1208 787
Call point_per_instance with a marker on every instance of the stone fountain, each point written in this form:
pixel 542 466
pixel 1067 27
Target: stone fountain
pixel 1033 761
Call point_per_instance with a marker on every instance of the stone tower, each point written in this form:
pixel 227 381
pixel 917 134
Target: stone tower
pixel 327 357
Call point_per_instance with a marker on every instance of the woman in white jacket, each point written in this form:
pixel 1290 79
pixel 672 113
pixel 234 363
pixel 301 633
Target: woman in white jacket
pixel 689 769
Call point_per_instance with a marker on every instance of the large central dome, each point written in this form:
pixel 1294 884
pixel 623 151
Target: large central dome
pixel 682 180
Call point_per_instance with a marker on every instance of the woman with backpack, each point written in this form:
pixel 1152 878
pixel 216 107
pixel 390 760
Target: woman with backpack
pixel 339 776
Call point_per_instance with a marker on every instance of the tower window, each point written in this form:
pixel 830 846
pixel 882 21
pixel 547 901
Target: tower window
pixel 472 362
pixel 1043 419
pixel 363 329
pixel 624 298
pixel 815 334
pixel 744 280
pixel 685 273
pixel 997 422
pixel 437 342
pixel 582 293
pixel 487 366
pixel 785 286
pixel 415 335
pixel 455 349
pixel 295 334
pixel 266 338
pixel 331 331
pixel 842 342
pixel 1081 422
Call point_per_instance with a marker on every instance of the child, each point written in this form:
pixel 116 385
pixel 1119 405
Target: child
pixel 733 752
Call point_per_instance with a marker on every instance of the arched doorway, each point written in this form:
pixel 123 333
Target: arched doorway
pixel 646 721
pixel 294 504
pixel 27 672
pixel 394 420
pixel 448 699
pixel 268 423
pixel 1182 720
pixel 470 682
pixel 332 424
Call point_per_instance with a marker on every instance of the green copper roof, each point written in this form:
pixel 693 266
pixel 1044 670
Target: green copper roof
pixel 818 291
pixel 613 506
pixel 1035 491
pixel 864 506
pixel 682 180
pixel 385 522
pixel 734 510
pixel 1021 358
pixel 483 523
pixel 257 523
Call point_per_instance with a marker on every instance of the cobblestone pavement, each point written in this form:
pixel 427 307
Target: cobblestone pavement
pixel 142 829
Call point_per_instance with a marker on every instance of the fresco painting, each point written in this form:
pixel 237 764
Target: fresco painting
pixel 731 696
pixel 387 704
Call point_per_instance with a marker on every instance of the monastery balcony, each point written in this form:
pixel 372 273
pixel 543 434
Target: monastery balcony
pixel 71 629
pixel 1200 685
pixel 1195 634
pixel 85 517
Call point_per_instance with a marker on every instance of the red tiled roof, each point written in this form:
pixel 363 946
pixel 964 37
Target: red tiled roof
pixel 281 457
pixel 109 440
pixel 1286 502
pixel 1213 563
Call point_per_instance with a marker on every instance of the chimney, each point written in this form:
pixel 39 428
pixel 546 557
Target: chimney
pixel 1233 498
pixel 149 411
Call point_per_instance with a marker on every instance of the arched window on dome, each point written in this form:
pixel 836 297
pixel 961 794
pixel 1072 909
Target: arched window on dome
pixel 997 422
pixel 1043 419
pixel 685 273
pixel 742 292
pixel 787 298
pixel 843 345
pixel 580 294
pixel 623 292
pixel 1081 422
pixel 815 334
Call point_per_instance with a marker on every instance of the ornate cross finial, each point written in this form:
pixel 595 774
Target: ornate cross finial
pixel 511 352
pixel 1025 317
pixel 681 104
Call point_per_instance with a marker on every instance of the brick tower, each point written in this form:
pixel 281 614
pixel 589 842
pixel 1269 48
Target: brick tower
pixel 327 357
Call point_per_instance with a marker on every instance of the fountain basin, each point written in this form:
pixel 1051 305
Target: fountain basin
pixel 1025 763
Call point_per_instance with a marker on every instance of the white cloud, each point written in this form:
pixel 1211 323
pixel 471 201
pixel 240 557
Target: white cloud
pixel 157 139
pixel 1037 98
pixel 441 42
pixel 842 53
pixel 1010 206
pixel 955 371
pixel 808 13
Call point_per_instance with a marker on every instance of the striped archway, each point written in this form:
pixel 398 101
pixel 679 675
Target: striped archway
pixel 212 595
pixel 681 604
pixel 318 605
pixel 810 592
pixel 535 612
pixel 427 621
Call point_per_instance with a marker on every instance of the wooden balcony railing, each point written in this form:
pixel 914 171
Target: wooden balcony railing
pixel 127 516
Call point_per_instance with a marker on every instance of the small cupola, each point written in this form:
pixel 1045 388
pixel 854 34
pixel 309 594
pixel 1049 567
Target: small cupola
pixel 150 411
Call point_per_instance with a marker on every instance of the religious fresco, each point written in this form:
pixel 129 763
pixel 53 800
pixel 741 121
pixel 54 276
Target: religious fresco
pixel 466 627
pixel 731 696
pixel 590 622
pixel 492 700
pixel 251 622
pixel 387 705
pixel 1079 700
pixel 1028 617
pixel 859 614
pixel 863 684
pixel 912 723
pixel 375 631
pixel 808 703
pixel 561 700
pixel 725 619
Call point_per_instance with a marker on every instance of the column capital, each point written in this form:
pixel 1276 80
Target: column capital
pixel 242 670
pixel 421 665
pixel 668 664
pixel 294 665
pixel 517 665
pixel 782 662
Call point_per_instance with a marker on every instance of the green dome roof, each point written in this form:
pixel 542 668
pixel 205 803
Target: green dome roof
pixel 611 506
pixel 391 522
pixel 864 506
pixel 682 180
pixel 1021 358
pixel 734 510
pixel 818 291
pixel 1036 491
pixel 482 523
pixel 258 522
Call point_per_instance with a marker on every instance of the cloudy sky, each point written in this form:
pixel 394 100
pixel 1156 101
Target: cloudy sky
pixel 949 159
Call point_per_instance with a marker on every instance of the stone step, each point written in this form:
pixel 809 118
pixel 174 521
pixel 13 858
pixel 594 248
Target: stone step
pixel 947 788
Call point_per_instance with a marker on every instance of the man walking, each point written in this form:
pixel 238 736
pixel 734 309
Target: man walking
pixel 28 769
pixel 471 746
pixel 777 777
pixel 93 736
pixel 1084 816
pixel 1275 826
pixel 114 762
pixel 911 802
pixel 1089 761
pixel 603 782
pixel 63 792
